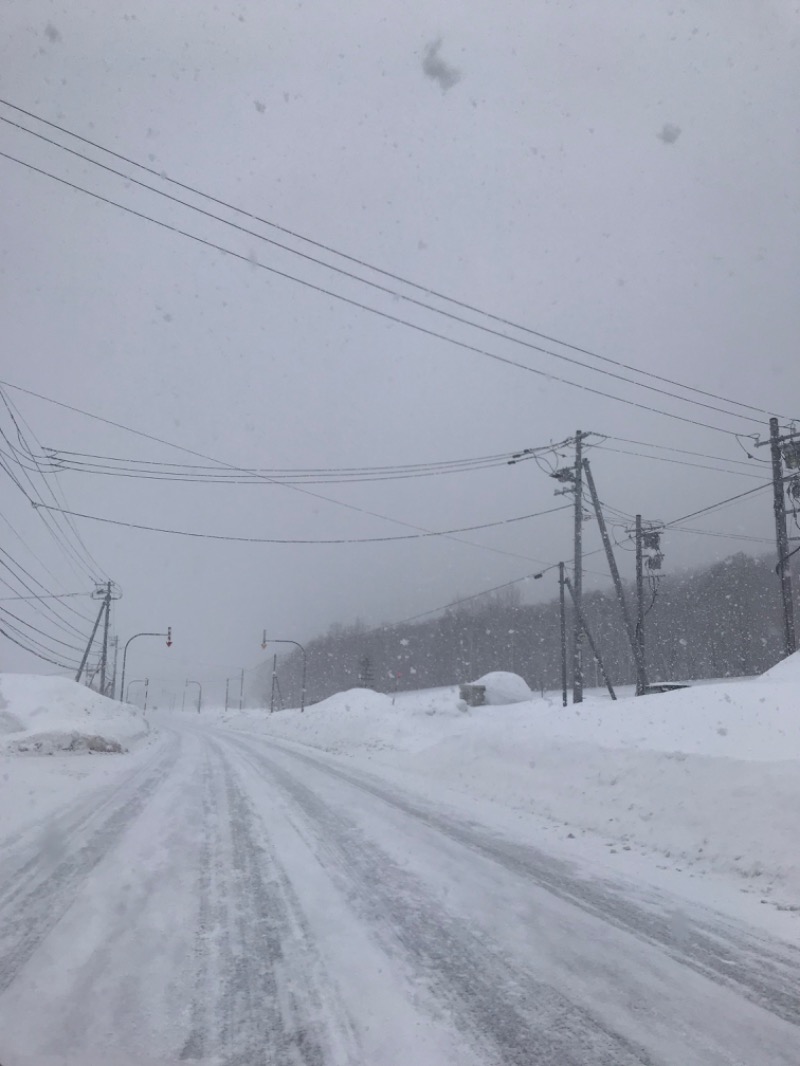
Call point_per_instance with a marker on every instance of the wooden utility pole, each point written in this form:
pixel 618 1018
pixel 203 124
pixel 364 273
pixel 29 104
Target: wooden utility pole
pixel 91 641
pixel 638 658
pixel 577 580
pixel 561 580
pixel 104 657
pixel 639 589
pixel 597 657
pixel 115 642
pixel 779 506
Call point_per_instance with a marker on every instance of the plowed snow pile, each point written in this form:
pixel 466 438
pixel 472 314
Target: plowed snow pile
pixel 706 778
pixel 45 715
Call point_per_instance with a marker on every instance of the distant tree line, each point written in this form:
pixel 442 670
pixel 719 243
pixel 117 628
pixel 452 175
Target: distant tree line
pixel 721 621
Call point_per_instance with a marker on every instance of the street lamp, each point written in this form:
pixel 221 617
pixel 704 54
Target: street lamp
pixel 264 643
pixel 199 693
pixel 168 635
pixel 139 681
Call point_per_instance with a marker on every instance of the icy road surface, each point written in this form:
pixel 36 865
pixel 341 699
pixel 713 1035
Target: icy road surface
pixel 235 901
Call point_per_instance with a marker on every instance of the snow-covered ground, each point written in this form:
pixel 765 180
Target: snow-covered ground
pixel 705 779
pixel 58 740
pixel 379 882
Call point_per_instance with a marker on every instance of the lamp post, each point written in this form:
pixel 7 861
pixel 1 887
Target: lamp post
pixel 297 644
pixel 139 681
pixel 135 636
pixel 199 693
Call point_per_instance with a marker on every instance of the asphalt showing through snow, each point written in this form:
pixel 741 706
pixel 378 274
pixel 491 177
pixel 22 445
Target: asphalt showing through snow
pixel 234 901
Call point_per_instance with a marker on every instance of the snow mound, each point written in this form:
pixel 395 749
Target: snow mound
pixel 503 688
pixel 787 669
pixel 50 743
pixel 45 715
pixel 9 723
pixel 354 699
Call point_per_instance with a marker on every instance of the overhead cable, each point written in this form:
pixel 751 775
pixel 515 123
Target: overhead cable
pixel 337 252
pixel 387 316
pixel 323 540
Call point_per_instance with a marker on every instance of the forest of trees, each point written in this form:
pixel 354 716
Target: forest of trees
pixel 721 621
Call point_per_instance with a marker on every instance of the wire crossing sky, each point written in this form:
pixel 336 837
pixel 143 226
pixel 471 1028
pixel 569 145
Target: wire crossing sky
pixel 366 304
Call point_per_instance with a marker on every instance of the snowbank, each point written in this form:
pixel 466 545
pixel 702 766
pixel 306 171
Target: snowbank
pixel 707 778
pixel 44 715
pixel 502 688
pixel 787 669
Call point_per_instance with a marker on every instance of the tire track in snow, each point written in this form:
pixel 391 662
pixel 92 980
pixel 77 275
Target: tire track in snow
pixel 512 1016
pixel 258 999
pixel 42 888
pixel 766 973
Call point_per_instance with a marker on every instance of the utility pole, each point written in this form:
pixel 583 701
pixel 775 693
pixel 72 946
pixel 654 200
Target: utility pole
pixel 638 658
pixel 561 580
pixel 592 645
pixel 115 642
pixel 639 588
pixel 241 689
pixel 91 641
pixel 577 651
pixel 104 659
pixel 779 505
pixel 227 682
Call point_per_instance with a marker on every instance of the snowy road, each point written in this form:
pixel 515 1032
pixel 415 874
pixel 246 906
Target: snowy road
pixel 235 901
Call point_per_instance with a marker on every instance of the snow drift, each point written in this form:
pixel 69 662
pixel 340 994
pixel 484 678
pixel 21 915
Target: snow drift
pixel 45 715
pixel 705 778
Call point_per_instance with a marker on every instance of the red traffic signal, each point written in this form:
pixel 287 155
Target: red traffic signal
pixel 169 636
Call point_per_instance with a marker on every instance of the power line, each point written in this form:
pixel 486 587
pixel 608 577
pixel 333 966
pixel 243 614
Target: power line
pixel 70 553
pixel 231 466
pixel 90 564
pixel 334 251
pixel 719 533
pixel 326 540
pixel 679 451
pixel 41 632
pixel 62 623
pixel 44 567
pixel 679 462
pixel 553 566
pixel 177 473
pixel 49 596
pixel 387 316
pixel 38 655
pixel 375 285
pixel 721 503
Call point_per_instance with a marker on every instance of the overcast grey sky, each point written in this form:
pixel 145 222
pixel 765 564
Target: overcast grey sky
pixel 620 175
